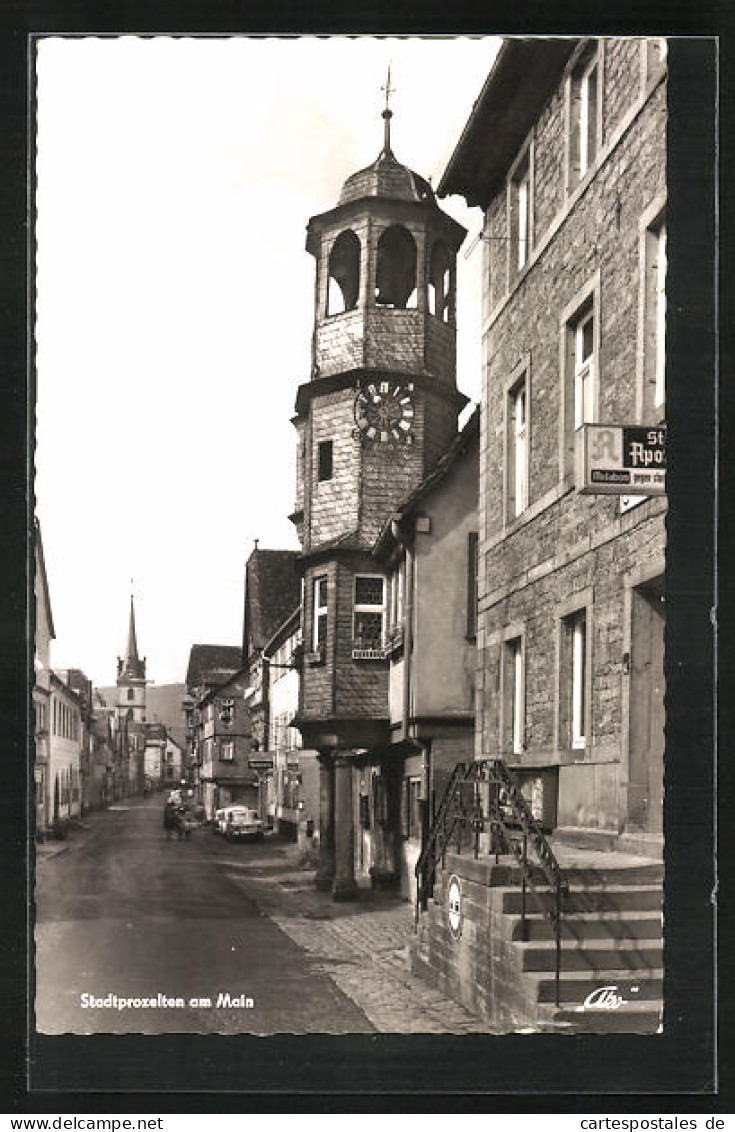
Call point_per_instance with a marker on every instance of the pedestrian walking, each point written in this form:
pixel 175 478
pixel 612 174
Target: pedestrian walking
pixel 170 819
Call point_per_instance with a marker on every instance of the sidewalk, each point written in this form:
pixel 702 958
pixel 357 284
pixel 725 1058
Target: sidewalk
pixel 80 831
pixel 363 946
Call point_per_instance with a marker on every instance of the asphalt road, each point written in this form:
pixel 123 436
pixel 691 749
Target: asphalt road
pixel 130 914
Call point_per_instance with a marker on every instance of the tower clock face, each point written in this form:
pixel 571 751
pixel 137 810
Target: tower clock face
pixel 384 412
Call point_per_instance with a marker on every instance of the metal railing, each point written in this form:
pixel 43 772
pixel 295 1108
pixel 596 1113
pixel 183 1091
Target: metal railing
pixel 484 797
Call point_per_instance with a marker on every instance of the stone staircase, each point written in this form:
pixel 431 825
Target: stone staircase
pixel 611 938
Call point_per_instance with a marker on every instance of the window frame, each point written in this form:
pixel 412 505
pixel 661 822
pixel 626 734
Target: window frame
pixel 324 461
pixel 587 59
pixel 574 672
pixel 521 173
pixel 364 607
pixel 650 406
pixel 574 316
pixel 513 715
pixel 319 642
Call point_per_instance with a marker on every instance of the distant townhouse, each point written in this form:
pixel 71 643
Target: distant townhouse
pixel 295 773
pixel 225 773
pixel 64 763
pixel 174 769
pixel 154 737
pixel 272 592
pixel 209 667
pixel 44 634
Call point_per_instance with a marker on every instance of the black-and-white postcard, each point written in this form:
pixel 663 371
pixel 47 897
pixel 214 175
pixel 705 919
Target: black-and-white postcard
pixel 360 466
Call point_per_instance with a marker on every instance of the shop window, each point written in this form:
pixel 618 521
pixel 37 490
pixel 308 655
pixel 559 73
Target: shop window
pixel 441 297
pixel 319 633
pixel 343 285
pixel 324 470
pixel 516 468
pixel 584 103
pixel 395 279
pixel 369 612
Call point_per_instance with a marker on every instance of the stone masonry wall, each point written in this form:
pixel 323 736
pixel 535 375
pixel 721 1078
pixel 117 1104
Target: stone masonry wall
pixel 565 543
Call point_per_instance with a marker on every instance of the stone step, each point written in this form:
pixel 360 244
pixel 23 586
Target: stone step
pixel 575 986
pixel 631 1018
pixel 507 873
pixel 592 955
pixel 603 898
pixel 630 925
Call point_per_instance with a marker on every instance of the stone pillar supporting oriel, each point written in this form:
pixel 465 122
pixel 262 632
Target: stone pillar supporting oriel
pixel 344 886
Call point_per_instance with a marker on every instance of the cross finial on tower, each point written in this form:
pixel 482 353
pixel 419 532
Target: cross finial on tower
pixel 387 114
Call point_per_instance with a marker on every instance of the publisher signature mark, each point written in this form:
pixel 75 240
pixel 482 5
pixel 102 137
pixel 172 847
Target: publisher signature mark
pixel 606 998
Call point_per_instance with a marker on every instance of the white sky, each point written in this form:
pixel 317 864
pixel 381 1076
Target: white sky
pixel 175 305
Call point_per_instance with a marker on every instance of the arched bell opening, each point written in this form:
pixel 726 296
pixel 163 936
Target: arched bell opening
pixel 441 290
pixel 343 285
pixel 395 276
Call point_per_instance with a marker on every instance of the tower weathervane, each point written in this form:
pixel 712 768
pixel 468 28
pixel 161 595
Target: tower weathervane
pixel 387 114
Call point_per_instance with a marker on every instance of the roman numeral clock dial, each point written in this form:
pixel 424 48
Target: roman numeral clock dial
pixel 384 412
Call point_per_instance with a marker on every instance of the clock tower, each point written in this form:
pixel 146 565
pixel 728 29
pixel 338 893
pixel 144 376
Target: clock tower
pixel 379 410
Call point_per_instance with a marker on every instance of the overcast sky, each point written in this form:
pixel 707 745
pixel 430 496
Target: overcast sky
pixel 175 305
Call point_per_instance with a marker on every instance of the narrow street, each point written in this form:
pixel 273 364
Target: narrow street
pixel 123 912
pixel 130 914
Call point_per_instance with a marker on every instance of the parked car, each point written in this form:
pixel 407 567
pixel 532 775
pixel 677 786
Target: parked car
pixel 242 823
pixel 222 816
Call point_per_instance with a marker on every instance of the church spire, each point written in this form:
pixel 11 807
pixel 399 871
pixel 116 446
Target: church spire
pixel 131 652
pixel 131 667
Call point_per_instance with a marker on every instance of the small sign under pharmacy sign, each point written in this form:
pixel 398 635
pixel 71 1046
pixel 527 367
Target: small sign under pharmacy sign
pixel 620 460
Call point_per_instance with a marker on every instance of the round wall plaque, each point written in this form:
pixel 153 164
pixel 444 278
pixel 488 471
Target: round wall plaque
pixel 454 907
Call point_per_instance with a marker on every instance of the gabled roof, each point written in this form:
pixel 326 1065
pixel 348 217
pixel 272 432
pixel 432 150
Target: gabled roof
pixel 283 631
pixel 219 689
pixel 41 568
pixel 272 590
pixel 212 664
pixel 525 73
pixel 461 444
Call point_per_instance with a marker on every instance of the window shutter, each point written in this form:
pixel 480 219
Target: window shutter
pixel 472 552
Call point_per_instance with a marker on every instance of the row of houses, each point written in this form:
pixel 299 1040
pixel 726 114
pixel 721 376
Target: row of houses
pixel 485 600
pixel 92 746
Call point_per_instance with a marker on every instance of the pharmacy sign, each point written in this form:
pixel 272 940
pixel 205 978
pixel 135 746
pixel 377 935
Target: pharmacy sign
pixel 620 460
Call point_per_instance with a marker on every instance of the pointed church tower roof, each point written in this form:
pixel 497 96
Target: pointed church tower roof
pixel 132 667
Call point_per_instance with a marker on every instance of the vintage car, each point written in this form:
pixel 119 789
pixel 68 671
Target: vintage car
pixel 241 823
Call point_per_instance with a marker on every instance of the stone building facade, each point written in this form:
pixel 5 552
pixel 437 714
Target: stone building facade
pixel 566 153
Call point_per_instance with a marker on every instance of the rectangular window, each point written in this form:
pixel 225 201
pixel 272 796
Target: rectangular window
pixel 520 215
pixel 514 723
pixel 583 107
pixel 654 346
pixel 574 681
pixel 472 594
pixel 411 808
pixel 584 370
pixel 227 751
pixel 369 612
pixel 319 633
pixel 325 460
pixel 517 450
